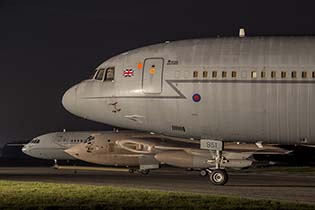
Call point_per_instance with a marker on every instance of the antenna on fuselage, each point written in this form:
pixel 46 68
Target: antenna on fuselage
pixel 242 33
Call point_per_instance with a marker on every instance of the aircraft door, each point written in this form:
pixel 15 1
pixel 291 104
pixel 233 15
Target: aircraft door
pixel 152 75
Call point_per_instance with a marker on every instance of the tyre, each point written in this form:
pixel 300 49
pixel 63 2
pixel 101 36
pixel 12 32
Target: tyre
pixel 145 172
pixel 131 171
pixel 219 177
pixel 203 173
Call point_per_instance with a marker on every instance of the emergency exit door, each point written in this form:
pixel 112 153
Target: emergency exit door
pixel 152 75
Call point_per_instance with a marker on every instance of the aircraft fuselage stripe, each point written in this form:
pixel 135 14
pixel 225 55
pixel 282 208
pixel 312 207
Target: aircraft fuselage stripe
pixel 182 96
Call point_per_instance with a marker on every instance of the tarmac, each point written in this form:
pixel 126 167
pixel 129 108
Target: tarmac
pixel 297 187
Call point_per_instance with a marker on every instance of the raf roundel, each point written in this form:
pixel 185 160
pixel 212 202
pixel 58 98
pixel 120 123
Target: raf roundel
pixel 196 97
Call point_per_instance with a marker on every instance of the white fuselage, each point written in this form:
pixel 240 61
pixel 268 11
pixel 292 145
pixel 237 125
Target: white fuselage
pixel 232 89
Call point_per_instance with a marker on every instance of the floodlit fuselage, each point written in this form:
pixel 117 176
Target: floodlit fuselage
pixel 105 150
pixel 232 89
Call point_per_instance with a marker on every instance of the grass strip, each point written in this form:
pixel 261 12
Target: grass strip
pixel 37 195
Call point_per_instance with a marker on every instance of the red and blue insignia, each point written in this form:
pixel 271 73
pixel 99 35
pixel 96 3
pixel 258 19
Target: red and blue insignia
pixel 128 73
pixel 196 97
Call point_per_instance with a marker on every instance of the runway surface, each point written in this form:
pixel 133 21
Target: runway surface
pixel 267 185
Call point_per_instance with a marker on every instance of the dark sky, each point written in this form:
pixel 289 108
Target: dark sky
pixel 47 46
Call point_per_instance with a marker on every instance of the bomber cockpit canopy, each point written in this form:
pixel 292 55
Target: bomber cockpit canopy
pixel 35 141
pixel 88 139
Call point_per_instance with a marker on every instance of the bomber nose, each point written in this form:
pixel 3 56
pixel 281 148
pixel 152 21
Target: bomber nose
pixel 69 99
pixel 25 150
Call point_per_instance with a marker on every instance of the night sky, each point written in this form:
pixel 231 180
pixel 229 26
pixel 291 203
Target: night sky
pixel 47 46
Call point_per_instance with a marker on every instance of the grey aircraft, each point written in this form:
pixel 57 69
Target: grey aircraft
pixel 245 89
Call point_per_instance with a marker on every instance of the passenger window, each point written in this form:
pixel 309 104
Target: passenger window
pixel 214 74
pixel 224 74
pixel 254 74
pixel 195 75
pixel 304 74
pixel 313 74
pixel 293 74
pixel 99 74
pixel 110 74
pixel 263 74
pixel 273 74
pixel 204 74
pixel 234 74
pixel 283 74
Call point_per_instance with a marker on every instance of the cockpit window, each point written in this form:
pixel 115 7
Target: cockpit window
pixel 93 74
pixel 100 74
pixel 35 141
pixel 110 74
pixel 88 139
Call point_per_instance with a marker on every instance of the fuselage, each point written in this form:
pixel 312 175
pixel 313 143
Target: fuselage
pixel 233 89
pixel 104 149
pixel 52 145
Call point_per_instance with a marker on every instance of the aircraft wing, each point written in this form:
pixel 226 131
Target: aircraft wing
pixel 154 145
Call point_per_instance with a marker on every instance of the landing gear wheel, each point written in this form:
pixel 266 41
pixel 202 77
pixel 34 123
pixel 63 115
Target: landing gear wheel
pixel 145 172
pixel 131 171
pixel 219 177
pixel 203 173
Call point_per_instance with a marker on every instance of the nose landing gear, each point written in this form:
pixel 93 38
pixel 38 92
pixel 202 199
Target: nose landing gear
pixel 55 166
pixel 217 175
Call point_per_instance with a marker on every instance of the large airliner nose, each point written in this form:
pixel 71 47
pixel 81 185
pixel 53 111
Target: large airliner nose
pixel 69 99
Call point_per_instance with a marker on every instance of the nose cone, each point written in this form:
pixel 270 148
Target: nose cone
pixel 69 99
pixel 25 150
pixel 29 150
